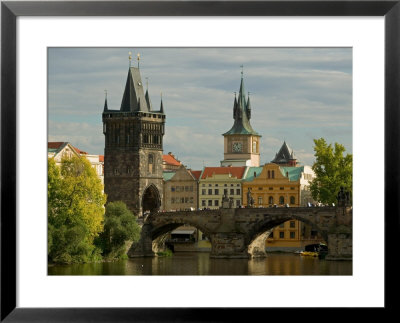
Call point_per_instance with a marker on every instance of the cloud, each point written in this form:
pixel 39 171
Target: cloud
pixel 297 94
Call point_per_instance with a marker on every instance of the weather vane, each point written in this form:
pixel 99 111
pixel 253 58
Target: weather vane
pixel 130 58
pixel 138 59
pixel 242 69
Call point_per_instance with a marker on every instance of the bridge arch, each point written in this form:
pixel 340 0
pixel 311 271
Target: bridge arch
pixel 269 222
pixel 163 228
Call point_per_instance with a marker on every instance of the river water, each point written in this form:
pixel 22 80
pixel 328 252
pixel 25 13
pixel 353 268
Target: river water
pixel 201 264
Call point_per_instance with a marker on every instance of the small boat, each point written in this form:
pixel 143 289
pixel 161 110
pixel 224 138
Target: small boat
pixel 309 253
pixel 319 250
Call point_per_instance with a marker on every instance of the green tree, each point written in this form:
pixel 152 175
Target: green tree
pixel 333 170
pixel 75 210
pixel 120 226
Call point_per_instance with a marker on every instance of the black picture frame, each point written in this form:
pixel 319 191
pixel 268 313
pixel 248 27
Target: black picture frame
pixel 10 10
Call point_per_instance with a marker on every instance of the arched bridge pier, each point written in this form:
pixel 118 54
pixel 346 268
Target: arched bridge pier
pixel 242 232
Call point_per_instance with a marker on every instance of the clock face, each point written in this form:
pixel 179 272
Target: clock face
pixel 237 147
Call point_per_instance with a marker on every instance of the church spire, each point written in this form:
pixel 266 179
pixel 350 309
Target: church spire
pixel 134 98
pixel 105 102
pixel 241 112
pixel 161 105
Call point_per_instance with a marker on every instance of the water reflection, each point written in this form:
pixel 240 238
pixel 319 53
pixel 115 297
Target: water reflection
pixel 201 264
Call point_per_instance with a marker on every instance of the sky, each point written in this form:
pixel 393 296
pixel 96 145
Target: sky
pixel 296 94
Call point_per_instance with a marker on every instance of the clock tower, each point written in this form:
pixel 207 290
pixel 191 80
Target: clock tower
pixel 241 142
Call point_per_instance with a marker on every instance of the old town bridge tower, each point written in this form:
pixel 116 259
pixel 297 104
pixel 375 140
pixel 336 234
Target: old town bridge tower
pixel 133 148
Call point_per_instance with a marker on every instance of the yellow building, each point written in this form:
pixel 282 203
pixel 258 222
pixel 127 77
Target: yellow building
pixel 281 186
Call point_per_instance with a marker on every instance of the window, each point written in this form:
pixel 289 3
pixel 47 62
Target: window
pixel 271 200
pixel 292 224
pixel 203 202
pixel 209 202
pixel 269 174
pixel 281 200
pixel 216 191
pixel 292 235
pixel 271 188
pixel 232 191
pixel 150 163
pixel 203 192
pixel 281 188
pixel 282 225
pixel 172 189
pixel 260 200
pixel 260 188
pixel 225 192
pixel 237 203
pixel 272 174
pixel 216 202
pixel 210 191
pixel 292 200
pixel 238 191
pixel 292 188
pixel 281 235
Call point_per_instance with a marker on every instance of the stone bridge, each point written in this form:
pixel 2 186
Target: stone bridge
pixel 241 232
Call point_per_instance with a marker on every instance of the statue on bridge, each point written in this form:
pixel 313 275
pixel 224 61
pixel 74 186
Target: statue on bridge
pixel 343 197
pixel 250 200
pixel 227 202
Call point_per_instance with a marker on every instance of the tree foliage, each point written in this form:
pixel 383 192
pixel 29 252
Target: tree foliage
pixel 120 226
pixel 333 170
pixel 75 210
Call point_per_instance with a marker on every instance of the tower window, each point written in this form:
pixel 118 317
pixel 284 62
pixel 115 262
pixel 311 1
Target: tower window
pixel 281 200
pixel 271 200
pixel 150 164
pixel 292 200
pixel 272 174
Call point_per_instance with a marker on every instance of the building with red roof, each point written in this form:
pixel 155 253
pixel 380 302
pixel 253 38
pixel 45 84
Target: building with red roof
pixel 170 162
pixel 217 182
pixel 59 150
